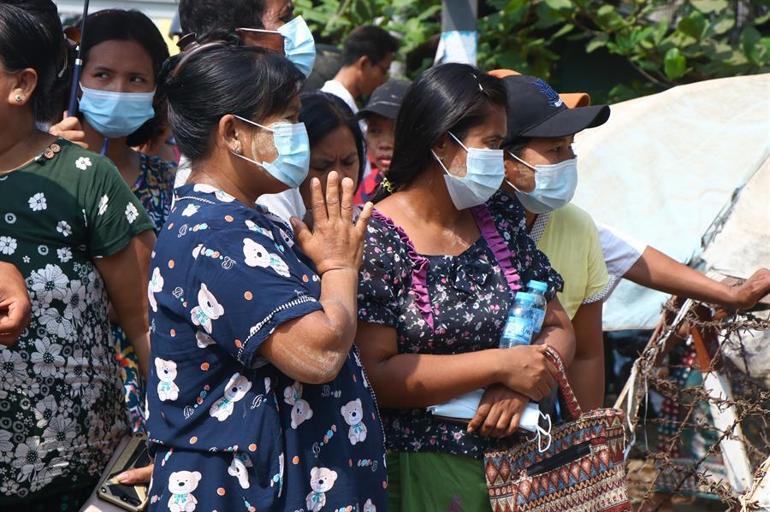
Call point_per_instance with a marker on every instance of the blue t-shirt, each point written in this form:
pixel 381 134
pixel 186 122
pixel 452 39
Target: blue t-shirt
pixel 228 429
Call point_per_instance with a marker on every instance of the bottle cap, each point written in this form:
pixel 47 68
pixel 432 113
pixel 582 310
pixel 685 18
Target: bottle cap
pixel 538 286
pixel 525 297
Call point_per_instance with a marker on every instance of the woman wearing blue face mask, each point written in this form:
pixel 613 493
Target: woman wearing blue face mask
pixel 256 397
pixel 439 275
pixel 541 172
pixel 123 53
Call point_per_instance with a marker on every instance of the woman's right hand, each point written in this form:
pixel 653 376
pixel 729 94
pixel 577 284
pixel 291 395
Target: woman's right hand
pixel 71 129
pixel 15 304
pixel 526 369
pixel 335 243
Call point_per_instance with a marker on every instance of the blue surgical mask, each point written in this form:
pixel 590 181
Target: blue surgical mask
pixel 555 186
pixel 484 174
pixel 293 161
pixel 116 114
pixel 298 44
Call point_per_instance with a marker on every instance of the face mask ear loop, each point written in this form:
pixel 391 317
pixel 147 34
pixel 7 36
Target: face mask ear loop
pixel 249 121
pixel 458 141
pixel 514 187
pixel 522 161
pixel 542 432
pixel 440 162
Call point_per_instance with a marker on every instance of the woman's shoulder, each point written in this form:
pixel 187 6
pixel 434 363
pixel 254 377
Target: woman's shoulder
pixel 572 218
pixel 163 171
pixel 204 208
pixel 384 234
pixel 70 157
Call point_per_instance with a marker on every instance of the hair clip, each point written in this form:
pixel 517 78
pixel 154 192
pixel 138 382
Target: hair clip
pixel 387 185
pixel 475 77
pixel 187 40
pixel 192 48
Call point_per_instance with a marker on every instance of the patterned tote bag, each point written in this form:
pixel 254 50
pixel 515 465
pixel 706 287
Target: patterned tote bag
pixel 581 471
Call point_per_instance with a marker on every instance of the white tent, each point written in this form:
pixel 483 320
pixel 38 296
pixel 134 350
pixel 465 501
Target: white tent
pixel 665 166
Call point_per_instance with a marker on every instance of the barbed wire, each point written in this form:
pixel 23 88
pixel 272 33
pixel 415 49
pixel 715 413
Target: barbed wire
pixel 750 402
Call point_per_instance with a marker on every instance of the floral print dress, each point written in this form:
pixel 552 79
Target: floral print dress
pixel 228 430
pixel 154 187
pixel 446 305
pixel 61 407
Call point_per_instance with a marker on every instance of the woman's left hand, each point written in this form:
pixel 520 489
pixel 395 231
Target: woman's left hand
pixel 136 475
pixel 499 412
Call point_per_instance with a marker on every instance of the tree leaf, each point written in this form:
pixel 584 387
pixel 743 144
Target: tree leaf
pixel 693 25
pixel 724 24
pixel 750 36
pixel 709 6
pixel 674 64
pixel 596 43
pixel 609 18
pixel 565 29
pixel 559 5
pixel 659 31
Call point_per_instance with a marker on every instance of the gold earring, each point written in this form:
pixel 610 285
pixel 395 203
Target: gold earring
pixel 19 98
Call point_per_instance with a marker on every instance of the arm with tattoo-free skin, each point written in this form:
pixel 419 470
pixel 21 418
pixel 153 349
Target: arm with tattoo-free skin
pixel 658 271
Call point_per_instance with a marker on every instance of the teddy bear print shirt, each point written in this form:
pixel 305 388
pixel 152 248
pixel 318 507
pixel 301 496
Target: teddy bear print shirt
pixel 228 430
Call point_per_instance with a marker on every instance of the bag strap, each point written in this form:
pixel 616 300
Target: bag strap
pixel 564 387
pixel 498 245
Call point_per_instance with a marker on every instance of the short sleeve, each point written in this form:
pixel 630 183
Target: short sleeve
pixel 598 278
pixel 383 276
pixel 620 251
pixel 245 287
pixel 112 213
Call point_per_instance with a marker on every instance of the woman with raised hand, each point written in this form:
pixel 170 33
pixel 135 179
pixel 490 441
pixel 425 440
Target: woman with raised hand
pixel 82 241
pixel 439 274
pixel 256 396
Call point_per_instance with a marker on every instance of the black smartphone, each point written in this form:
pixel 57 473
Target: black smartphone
pixel 130 497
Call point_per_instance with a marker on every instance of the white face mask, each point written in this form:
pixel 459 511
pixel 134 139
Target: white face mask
pixel 555 186
pixel 485 170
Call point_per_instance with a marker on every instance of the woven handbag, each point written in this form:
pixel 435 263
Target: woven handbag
pixel 582 471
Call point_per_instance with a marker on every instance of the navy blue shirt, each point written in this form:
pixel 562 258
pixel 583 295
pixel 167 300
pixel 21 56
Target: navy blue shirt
pixel 229 431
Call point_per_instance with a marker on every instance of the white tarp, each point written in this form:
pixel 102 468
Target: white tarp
pixel 664 166
pixel 740 241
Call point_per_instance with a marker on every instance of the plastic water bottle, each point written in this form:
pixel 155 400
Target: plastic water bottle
pixel 526 315
pixel 519 325
pixel 538 289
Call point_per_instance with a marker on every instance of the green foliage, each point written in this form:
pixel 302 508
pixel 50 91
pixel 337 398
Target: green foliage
pixel 665 42
pixel 415 21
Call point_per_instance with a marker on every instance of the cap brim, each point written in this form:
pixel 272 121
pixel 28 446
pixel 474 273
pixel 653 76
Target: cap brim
pixel 570 121
pixel 381 109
